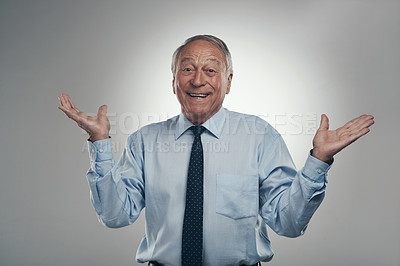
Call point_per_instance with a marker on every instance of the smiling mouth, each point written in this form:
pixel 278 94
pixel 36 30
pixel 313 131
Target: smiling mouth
pixel 198 95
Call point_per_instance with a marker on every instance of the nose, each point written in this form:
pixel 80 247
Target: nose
pixel 198 79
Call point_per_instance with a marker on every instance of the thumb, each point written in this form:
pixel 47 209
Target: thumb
pixel 102 110
pixel 324 123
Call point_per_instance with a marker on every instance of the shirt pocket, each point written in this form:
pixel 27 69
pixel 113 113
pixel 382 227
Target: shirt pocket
pixel 237 195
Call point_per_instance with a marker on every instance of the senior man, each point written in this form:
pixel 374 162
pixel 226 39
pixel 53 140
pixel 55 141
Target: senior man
pixel 207 206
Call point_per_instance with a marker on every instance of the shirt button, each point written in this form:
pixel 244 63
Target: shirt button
pixel 101 150
pixel 92 150
pixel 319 171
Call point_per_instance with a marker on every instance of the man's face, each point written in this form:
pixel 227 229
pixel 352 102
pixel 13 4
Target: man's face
pixel 201 81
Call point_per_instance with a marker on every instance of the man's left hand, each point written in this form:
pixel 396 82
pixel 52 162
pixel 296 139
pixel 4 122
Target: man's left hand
pixel 329 142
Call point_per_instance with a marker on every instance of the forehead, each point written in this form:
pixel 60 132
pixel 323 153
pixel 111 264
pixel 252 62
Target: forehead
pixel 201 50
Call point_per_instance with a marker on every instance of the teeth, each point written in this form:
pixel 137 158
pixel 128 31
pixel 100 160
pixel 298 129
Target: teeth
pixel 198 95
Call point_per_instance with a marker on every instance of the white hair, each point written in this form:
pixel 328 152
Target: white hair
pixel 211 39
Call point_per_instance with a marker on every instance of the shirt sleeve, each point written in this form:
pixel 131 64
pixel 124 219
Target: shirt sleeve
pixel 288 198
pixel 116 189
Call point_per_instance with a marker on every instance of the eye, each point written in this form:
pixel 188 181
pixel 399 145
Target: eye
pixel 211 70
pixel 187 69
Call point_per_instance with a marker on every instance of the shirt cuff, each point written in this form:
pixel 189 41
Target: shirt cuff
pixel 100 150
pixel 316 170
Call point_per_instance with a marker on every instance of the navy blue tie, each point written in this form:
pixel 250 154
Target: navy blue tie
pixel 192 234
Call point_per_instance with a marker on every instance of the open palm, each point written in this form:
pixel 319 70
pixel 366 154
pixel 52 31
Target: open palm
pixel 329 142
pixel 98 126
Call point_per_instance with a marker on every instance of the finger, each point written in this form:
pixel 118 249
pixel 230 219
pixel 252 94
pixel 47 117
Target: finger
pixel 72 105
pixel 367 123
pixel 102 111
pixel 351 122
pixel 68 113
pixel 357 135
pixel 362 122
pixel 69 100
pixel 324 123
pixel 64 100
pixel 356 127
pixel 357 120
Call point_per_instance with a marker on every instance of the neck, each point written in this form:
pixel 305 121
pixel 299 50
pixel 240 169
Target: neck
pixel 198 119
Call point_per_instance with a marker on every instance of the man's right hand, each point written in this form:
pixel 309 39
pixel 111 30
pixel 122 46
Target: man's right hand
pixel 98 127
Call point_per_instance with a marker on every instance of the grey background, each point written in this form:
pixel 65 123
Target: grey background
pixel 293 60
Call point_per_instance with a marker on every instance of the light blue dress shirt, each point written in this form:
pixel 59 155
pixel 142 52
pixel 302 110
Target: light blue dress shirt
pixel 249 182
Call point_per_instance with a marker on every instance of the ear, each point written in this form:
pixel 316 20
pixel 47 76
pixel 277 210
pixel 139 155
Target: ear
pixel 228 87
pixel 173 84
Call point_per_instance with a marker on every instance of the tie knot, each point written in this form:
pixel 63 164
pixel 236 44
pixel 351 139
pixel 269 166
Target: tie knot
pixel 197 130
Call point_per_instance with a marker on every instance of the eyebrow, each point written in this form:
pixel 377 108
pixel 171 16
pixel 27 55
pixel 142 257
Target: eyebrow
pixel 185 59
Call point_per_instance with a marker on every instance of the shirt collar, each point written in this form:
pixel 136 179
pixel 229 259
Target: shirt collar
pixel 214 124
